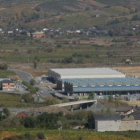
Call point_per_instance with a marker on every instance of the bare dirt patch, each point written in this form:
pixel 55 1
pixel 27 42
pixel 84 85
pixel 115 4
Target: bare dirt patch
pixel 1 9
pixel 131 103
pixel 113 104
pixel 42 68
pixel 130 71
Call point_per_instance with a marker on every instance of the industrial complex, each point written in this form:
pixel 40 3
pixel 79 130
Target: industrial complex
pixel 74 73
pixel 99 80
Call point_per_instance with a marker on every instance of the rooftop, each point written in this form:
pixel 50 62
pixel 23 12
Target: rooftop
pixel 106 117
pixel 86 82
pixel 97 72
pixel 133 116
pixel 104 84
pixel 103 89
pixel 38 32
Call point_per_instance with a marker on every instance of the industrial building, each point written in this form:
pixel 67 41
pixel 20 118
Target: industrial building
pixel 115 122
pixel 73 73
pixel 99 80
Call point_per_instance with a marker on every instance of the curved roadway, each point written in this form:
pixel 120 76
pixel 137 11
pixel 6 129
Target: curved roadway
pixel 43 91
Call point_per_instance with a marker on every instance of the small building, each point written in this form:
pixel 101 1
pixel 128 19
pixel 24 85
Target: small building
pixel 130 122
pixel 10 33
pixel 116 122
pixel 106 122
pixel 29 114
pixel 1 31
pixel 7 85
pixel 124 111
pixel 128 61
pixel 38 34
pixel 22 115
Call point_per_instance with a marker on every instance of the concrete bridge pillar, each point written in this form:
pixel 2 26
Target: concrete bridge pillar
pixel 72 108
pixel 80 106
pixel 87 105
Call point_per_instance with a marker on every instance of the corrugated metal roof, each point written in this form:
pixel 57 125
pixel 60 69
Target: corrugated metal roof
pixel 93 82
pixel 103 89
pixel 87 71
pixel 104 84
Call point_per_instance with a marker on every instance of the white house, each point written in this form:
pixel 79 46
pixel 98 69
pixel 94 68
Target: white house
pixel 107 122
pixel 115 122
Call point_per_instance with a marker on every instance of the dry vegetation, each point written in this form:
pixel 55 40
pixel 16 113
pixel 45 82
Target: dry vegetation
pixel 130 71
pixel 66 135
pixel 131 103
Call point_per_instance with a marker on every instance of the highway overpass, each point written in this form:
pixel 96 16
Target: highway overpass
pixel 75 103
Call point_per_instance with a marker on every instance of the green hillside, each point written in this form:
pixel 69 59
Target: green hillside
pixel 60 6
pixel 64 13
pixel 113 2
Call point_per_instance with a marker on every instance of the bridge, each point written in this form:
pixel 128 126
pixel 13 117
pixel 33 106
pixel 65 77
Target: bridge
pixel 75 103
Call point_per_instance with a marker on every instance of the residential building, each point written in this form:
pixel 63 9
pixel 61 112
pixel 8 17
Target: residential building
pixel 7 85
pixel 22 115
pixel 38 34
pixel 116 122
pixel 106 122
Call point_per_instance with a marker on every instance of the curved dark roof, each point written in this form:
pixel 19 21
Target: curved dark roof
pixel 6 81
pixel 102 117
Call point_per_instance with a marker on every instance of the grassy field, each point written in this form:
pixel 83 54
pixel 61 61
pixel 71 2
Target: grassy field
pixel 6 73
pixel 112 2
pixel 99 50
pixel 12 100
pixel 74 134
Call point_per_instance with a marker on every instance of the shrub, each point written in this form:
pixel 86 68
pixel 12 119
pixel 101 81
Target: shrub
pixel 41 135
pixel 3 66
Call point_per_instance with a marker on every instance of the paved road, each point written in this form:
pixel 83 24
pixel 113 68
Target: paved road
pixel 43 91
pixel 23 75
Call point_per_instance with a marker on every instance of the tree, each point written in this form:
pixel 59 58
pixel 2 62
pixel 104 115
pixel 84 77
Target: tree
pixel 3 66
pixel 48 120
pixel 27 98
pixel 58 45
pixel 51 101
pixel 41 135
pixel 91 95
pixel 135 17
pixel 36 59
pixel 32 82
pixel 108 110
pixel 6 112
pixel 67 60
pixel 35 64
pixel 64 100
pixel 110 98
pixel 29 122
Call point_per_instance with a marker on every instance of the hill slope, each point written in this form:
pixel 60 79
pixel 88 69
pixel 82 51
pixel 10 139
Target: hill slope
pixel 65 13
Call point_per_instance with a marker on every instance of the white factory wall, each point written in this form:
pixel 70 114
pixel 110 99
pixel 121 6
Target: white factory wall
pixel 107 125
pixel 118 125
pixel 130 125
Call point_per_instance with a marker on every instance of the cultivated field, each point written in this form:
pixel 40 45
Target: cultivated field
pixel 73 134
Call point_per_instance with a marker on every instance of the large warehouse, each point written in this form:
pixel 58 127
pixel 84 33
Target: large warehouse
pixel 86 80
pixel 72 73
